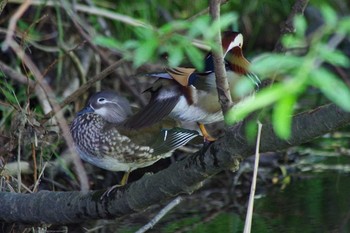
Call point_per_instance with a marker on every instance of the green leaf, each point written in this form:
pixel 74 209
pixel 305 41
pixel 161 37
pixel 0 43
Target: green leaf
pixel 251 131
pixel 176 55
pixel 144 33
pixel 145 52
pixel 199 26
pixel 131 45
pixel 107 42
pixel 8 92
pixel 225 21
pixel 329 15
pixel 334 57
pixel 344 25
pixel 249 104
pixel 282 116
pixel 195 56
pixel 336 90
pixel 300 25
pixel 242 88
pixel 173 26
pixel 270 63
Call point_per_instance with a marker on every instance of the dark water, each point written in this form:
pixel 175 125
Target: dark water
pixel 317 199
pixel 319 203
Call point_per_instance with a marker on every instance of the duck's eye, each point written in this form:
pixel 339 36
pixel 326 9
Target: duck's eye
pixel 240 45
pixel 101 100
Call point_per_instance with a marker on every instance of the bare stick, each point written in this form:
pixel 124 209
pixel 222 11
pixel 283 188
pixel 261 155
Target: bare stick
pixel 83 88
pixel 219 67
pixel 160 215
pixel 13 22
pixel 249 216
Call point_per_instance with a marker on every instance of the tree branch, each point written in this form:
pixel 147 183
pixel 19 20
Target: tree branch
pixel 219 66
pixel 182 177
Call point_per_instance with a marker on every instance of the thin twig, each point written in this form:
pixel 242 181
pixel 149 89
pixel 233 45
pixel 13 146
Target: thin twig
pixel 2 5
pixel 94 11
pixel 76 21
pixel 13 22
pixel 204 11
pixel 8 71
pixel 83 88
pixel 19 175
pixel 219 67
pixel 249 216
pixel 60 118
pixel 111 15
pixel 37 182
pixel 160 215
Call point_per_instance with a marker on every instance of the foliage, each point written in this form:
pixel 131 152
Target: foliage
pixel 301 72
pixel 173 39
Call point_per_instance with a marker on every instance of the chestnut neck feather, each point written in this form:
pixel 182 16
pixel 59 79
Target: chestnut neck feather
pixel 237 61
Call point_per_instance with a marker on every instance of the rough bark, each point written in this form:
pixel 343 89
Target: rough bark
pixel 222 84
pixel 182 177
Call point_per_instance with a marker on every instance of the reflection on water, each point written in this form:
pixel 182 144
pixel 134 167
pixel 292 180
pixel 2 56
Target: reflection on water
pixel 319 203
pixel 316 200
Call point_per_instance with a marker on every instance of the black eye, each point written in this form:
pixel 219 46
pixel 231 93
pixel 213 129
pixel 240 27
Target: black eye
pixel 101 100
pixel 240 45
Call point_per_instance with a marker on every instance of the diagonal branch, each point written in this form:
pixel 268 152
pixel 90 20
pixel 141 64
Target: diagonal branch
pixel 182 177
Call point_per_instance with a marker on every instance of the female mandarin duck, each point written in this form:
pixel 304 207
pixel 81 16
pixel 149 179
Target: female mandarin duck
pixel 102 139
pixel 190 96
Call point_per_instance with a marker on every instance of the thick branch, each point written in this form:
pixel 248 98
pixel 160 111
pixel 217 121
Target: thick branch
pixel 182 177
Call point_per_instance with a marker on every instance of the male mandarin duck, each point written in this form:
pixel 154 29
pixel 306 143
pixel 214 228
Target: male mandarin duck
pixel 102 140
pixel 189 96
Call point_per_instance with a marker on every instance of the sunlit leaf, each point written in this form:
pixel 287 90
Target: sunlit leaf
pixel 332 87
pixel 282 116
